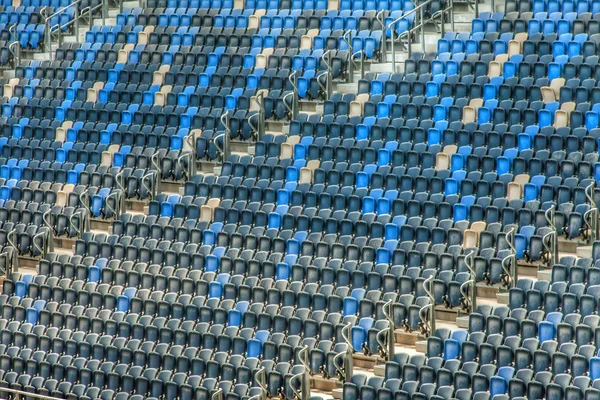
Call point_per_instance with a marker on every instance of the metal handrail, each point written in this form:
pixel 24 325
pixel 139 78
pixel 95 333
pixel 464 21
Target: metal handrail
pixel 8 263
pixel 150 177
pixel 16 53
pixel 78 13
pixel 155 162
pixel 47 242
pixel 380 17
pixel 259 129
pixel 83 222
pixel 387 349
pixel 469 303
pixel 82 202
pixel 9 239
pixel 591 215
pixel 345 372
pixel 260 378
pixel 19 393
pixel 217 395
pixel 420 9
pixel 326 58
pixel 431 307
pixel 116 211
pixel 293 109
pixel 550 240
pixel 509 263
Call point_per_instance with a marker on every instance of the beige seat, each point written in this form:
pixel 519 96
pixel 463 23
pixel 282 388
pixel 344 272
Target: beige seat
pixel 8 91
pixel 568 106
pixel 356 109
pixel 306 175
pixel 254 106
pixel 442 161
pixel 313 164
pixel 556 84
pixel 470 239
pixel 495 69
pixel 92 95
pixel 62 196
pixel 514 47
pixel 548 94
pixel 522 179
pixel 561 119
pixel 521 37
pixel 287 150
pixel 514 191
pixel 158 77
pixel 261 61
pixel 143 37
pixel 333 5
pixel 107 158
pixel 471 235
pixel 207 211
pixel 159 99
pixel 469 114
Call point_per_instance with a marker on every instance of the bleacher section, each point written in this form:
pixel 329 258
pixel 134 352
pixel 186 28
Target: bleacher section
pixel 334 240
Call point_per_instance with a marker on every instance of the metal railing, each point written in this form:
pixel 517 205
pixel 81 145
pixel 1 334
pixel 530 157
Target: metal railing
pixel 427 312
pixel 155 162
pixel 352 61
pixel 259 128
pixel 468 289
pixel 225 150
pixel 294 106
pixel 303 392
pixel 80 222
pixel 326 87
pixel 20 394
pixel 77 15
pixel 419 25
pixel 261 381
pixel 591 215
pixel 550 240
pixel 345 370
pixel 385 338
pixel 509 263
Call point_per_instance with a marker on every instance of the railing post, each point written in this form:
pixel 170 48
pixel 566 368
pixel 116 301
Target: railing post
pixel 442 18
pixel 226 149
pixel 90 16
pixel 259 128
pixel 104 11
pixel 348 39
pixel 347 370
pixel 452 15
pixel 293 109
pixel 422 18
pixel 380 17
pixel 476 8
pixel 550 241
pixel 13 244
pixel 469 299
pixel 191 142
pixel 393 32
pixel 155 161
pixel 387 348
pixel 76 23
pixel 217 395
pixel 591 216
pixel 428 318
pixel 50 229
pixel 509 263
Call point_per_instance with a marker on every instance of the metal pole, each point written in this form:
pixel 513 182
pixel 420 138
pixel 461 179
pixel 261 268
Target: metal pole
pixel 104 11
pixel 77 22
pixel 452 15
pixel 477 8
pixel 421 17
pixel 591 216
pixel 383 35
pixel 392 31
pixel 388 348
pixel 442 28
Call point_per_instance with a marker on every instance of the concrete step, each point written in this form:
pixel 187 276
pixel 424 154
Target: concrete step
pixel 584 251
pixel 110 21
